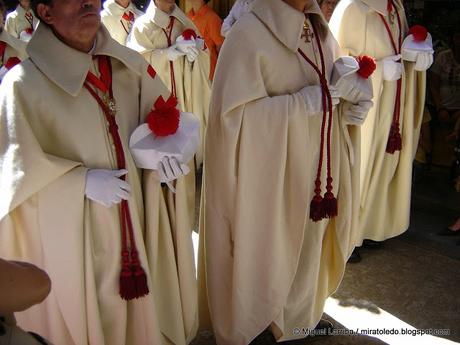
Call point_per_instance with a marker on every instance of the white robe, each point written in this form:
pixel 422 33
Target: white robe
pixel 385 181
pixel 191 79
pixel 263 262
pixel 53 131
pixel 111 17
pixel 16 21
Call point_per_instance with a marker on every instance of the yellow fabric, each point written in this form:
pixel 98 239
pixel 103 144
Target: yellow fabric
pixel 262 260
pixel 111 17
pixel 385 179
pixel 192 83
pixel 52 132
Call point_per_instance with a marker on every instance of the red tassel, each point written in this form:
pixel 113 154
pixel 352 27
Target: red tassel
pixel 142 288
pixel 316 208
pixel 330 205
pixel 394 140
pixel 127 280
pixel 140 277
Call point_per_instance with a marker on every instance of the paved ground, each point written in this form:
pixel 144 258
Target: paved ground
pixel 412 283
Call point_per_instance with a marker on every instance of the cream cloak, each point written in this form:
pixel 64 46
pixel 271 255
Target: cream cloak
pixel 14 47
pixel 192 83
pixel 16 21
pixel 111 17
pixel 52 132
pixel 385 181
pixel 265 262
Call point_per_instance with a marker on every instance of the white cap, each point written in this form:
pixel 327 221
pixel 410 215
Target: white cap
pixel 148 150
pixel 410 47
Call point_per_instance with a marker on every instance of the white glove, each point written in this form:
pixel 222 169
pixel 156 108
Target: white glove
pixel 173 53
pixel 357 113
pixel 392 69
pixel 105 187
pixel 424 61
pixel 170 169
pixel 313 97
pixel 192 53
pixel 25 36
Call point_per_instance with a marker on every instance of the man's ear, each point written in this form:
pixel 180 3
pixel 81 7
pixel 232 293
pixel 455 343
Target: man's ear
pixel 44 13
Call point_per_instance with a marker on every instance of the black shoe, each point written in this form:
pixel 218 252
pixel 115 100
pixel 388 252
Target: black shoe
pixel 324 327
pixel 447 232
pixel 370 244
pixel 355 257
pixel 264 338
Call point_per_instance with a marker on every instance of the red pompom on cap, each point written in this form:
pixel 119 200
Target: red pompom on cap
pixel 12 61
pixel 419 32
pixel 367 66
pixel 189 34
pixel 163 120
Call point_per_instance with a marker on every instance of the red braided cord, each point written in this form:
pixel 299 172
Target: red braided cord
pixel 329 100
pixel 397 50
pixel 323 124
pixel 105 69
pixel 171 65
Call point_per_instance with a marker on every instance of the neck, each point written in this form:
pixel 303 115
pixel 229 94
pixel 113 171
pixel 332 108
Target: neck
pixel 84 46
pixel 299 5
pixel 123 3
pixel 197 5
pixel 26 8
pixel 166 9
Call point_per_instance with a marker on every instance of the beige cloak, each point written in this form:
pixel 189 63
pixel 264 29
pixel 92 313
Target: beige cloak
pixel 52 132
pixel 385 181
pixel 266 264
pixel 14 47
pixel 192 83
pixel 16 21
pixel 111 17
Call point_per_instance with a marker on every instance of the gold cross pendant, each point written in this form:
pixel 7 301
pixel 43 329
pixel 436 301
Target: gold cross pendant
pixel 307 33
pixel 110 103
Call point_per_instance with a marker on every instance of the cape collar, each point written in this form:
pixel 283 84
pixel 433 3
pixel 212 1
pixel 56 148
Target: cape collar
pixel 284 21
pixel 161 18
pixel 13 42
pixel 380 6
pixel 112 7
pixel 68 67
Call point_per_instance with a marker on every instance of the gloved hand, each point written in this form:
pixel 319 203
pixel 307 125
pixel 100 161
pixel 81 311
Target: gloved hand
pixel 424 61
pixel 173 53
pixel 188 47
pixel 105 187
pixel 313 98
pixel 392 68
pixel 170 169
pixel 357 113
pixel 192 54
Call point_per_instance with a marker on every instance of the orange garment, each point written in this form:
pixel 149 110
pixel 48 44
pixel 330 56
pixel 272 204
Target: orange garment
pixel 209 24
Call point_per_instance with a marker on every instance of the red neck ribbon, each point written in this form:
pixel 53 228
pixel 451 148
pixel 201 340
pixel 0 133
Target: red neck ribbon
pixel 394 138
pixel 133 281
pixel 168 34
pixel 327 206
pixel 129 17
pixel 30 19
